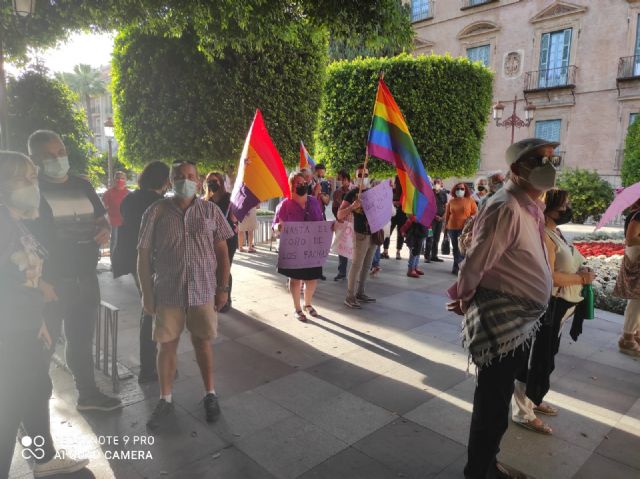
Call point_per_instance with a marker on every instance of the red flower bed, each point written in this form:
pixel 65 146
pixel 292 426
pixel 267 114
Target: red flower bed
pixel 588 249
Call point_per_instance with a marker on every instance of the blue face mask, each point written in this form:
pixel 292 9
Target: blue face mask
pixel 56 167
pixel 185 188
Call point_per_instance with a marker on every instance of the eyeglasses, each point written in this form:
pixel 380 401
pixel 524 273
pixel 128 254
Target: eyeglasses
pixel 366 175
pixel 553 160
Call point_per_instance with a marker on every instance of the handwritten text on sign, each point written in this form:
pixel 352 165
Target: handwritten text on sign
pixel 343 240
pixel 304 244
pixel 377 204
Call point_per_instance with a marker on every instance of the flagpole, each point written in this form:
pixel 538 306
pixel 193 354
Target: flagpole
pixel 366 156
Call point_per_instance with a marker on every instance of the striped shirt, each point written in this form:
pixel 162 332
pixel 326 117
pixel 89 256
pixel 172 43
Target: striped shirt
pixel 182 244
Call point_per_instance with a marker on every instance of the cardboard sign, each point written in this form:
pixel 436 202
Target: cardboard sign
pixel 343 239
pixel 377 204
pixel 304 244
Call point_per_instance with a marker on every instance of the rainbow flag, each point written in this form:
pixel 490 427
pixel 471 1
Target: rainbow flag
pixel 390 140
pixel 261 173
pixel 305 158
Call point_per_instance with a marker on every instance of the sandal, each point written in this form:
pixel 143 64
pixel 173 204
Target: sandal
pixel 311 310
pixel 242 249
pixel 629 346
pixel 252 249
pixel 546 409
pixel 535 426
pixel 300 316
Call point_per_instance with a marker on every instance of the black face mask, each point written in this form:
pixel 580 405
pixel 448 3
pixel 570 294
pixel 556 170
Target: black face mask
pixel 481 188
pixel 213 186
pixel 301 190
pixel 564 216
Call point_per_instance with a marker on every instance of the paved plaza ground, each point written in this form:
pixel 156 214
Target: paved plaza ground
pixel 378 393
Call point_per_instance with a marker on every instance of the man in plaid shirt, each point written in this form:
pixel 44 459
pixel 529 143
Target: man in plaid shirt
pixel 183 267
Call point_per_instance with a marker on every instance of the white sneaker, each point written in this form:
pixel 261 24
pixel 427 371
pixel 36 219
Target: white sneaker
pixel 59 465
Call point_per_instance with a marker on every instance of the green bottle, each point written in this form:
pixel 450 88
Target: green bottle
pixel 587 294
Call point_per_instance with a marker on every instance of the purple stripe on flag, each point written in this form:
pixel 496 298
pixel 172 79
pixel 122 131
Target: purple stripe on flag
pixel 242 202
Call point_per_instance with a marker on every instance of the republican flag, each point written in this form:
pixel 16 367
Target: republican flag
pixel 305 158
pixel 390 140
pixel 261 173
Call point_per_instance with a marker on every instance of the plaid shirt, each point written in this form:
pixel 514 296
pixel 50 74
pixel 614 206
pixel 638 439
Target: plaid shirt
pixel 182 245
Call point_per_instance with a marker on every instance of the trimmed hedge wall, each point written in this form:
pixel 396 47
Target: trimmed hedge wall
pixel 631 165
pixel 173 103
pixel 446 102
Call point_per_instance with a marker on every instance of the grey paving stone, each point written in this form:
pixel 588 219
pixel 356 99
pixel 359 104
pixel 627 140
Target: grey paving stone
pixel 431 305
pixel 455 470
pixel 391 394
pixel 350 464
pixel 622 446
pixel 598 467
pixel 290 447
pixel 579 429
pixel 228 463
pixel 341 373
pixel 591 393
pixel 347 417
pixel 410 449
pixel 446 415
pixel 443 330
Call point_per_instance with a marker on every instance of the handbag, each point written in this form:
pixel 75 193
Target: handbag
pixel 445 248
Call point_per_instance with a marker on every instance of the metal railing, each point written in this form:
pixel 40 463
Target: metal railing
pixel 421 10
pixel 475 3
pixel 107 338
pixel 629 67
pixel 561 77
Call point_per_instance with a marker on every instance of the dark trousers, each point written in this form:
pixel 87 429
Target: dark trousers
pixel 399 219
pixel 455 249
pixel 113 240
pixel 76 308
pixel 431 249
pixel 232 246
pixel 342 265
pixel 24 398
pixel 490 416
pixel 148 348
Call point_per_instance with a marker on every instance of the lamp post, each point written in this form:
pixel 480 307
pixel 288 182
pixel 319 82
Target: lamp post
pixel 108 132
pixel 23 9
pixel 514 121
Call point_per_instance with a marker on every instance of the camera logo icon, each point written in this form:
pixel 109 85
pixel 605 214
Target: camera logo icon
pixel 32 447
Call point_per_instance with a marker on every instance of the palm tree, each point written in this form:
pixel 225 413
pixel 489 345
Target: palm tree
pixel 85 81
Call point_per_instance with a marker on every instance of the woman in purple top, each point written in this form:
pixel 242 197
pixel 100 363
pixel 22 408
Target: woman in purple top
pixel 300 207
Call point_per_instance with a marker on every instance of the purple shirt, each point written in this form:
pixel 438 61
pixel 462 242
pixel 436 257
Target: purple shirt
pixel 183 245
pixel 289 210
pixel 507 252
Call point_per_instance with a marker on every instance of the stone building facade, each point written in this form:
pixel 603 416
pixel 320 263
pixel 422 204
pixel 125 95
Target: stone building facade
pixel 577 62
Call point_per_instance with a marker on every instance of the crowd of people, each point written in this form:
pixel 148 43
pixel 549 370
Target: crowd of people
pixel 518 279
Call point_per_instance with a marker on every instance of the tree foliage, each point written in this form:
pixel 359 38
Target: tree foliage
pixel 86 82
pixel 173 103
pixel 631 164
pixel 590 195
pixel 38 102
pixel 445 101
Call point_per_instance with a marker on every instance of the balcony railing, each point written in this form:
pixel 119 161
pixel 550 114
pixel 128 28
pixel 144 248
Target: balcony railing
pixel 629 67
pixel 474 3
pixel 562 77
pixel 421 10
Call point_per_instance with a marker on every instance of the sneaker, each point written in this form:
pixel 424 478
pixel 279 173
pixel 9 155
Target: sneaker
pixel 427 260
pixel 211 407
pixel 384 255
pixel 352 303
pixel 162 410
pixel 98 401
pixel 375 270
pixel 412 273
pixel 323 278
pixel 60 464
pixel 398 255
pixel 340 277
pixel 419 271
pixel 365 299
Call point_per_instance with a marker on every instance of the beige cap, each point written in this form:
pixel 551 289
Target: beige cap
pixel 522 148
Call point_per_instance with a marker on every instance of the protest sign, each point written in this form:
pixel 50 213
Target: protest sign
pixel 304 244
pixel 377 204
pixel 343 240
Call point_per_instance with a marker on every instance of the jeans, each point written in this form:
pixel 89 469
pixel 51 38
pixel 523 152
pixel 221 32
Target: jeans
pixel 342 265
pixel 77 308
pixel 24 396
pixel 490 416
pixel 415 250
pixel 363 251
pixel 431 249
pixel 376 258
pixel 457 256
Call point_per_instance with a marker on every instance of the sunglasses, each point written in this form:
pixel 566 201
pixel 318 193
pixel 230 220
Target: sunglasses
pixel 553 160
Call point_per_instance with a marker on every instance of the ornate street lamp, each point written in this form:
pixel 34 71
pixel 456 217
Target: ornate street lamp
pixel 514 121
pixel 108 132
pixel 24 8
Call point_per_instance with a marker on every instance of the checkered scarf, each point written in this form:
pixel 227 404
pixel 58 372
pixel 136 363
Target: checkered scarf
pixel 497 323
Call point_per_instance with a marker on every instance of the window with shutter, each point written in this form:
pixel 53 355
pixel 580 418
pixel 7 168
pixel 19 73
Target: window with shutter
pixel 549 130
pixel 555 52
pixel 480 54
pixel 636 59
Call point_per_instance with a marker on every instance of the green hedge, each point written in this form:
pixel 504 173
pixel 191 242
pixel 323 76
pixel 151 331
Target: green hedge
pixel 590 195
pixel 446 102
pixel 172 102
pixel 631 165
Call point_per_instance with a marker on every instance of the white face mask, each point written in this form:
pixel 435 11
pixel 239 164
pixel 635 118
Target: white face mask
pixel 185 188
pixel 437 187
pixel 365 182
pixel 459 193
pixel 26 200
pixel 542 178
pixel 56 167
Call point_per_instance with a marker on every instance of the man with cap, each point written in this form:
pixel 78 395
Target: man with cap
pixel 503 290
